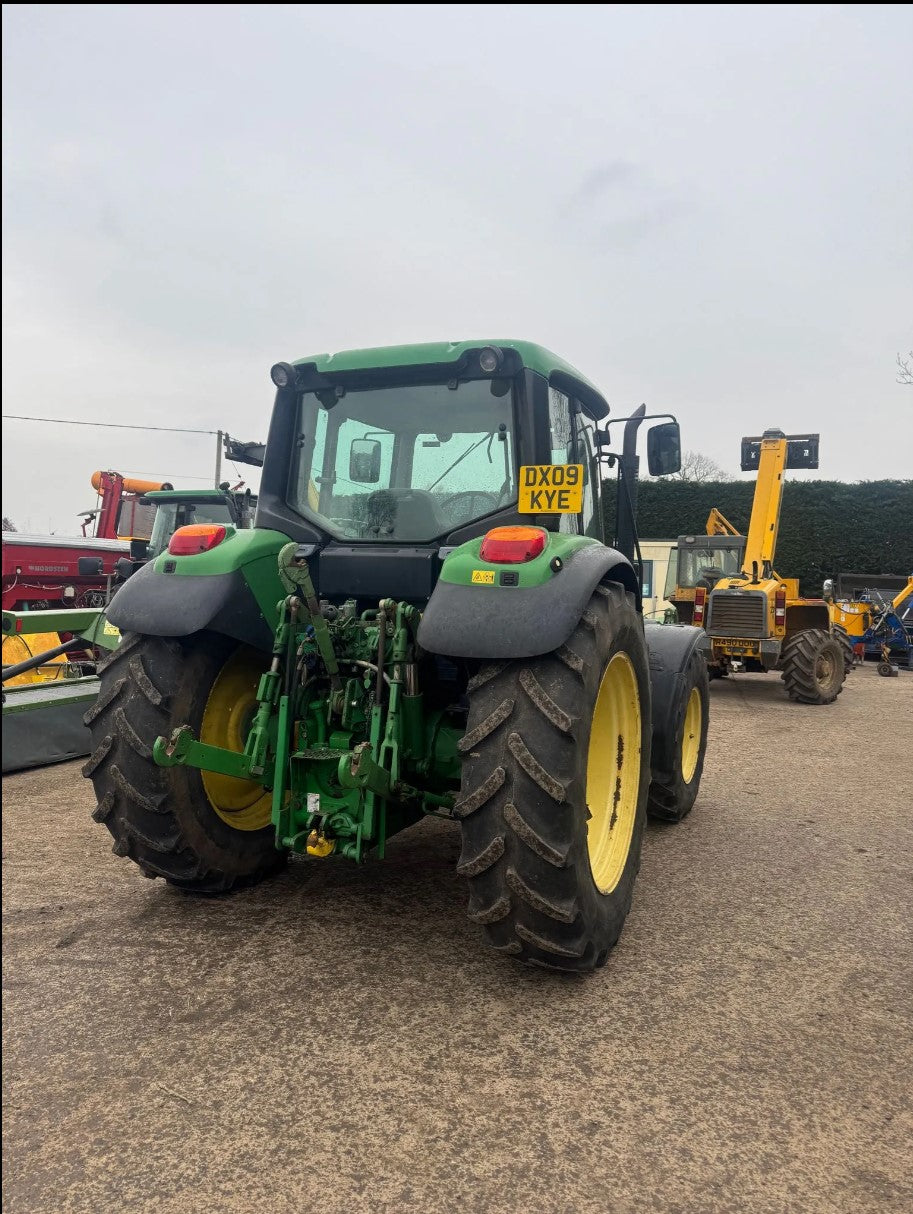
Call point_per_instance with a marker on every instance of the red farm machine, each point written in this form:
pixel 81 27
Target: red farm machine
pixel 41 572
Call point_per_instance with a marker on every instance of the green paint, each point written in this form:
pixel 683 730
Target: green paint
pixel 343 764
pixel 238 549
pixel 252 552
pixel 88 623
pixel 536 358
pixel 343 734
pixel 190 495
pixel 460 565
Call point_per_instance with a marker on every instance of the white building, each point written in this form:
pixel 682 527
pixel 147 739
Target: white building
pixel 656 555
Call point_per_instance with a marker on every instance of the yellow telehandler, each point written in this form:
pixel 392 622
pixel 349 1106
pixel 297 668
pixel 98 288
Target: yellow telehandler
pixel 754 619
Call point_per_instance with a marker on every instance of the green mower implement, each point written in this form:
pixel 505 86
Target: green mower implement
pixel 49 682
pixel 424 619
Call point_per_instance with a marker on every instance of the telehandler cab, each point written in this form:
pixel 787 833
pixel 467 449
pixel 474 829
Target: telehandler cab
pixel 424 620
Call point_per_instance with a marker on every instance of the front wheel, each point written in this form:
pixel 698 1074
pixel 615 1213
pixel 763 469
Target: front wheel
pixel 813 667
pixel 199 830
pixel 553 797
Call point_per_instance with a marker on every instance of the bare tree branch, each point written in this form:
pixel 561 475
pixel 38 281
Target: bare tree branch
pixel 905 368
pixel 699 468
pixel 8 524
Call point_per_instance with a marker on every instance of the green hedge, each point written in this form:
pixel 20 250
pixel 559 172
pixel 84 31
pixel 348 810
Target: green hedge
pixel 826 527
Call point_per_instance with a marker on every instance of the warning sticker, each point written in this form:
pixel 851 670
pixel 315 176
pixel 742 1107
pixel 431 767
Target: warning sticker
pixel 551 489
pixel 485 577
pixel 110 630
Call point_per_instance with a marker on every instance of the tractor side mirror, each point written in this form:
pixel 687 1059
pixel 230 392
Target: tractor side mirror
pixel 139 550
pixel 124 567
pixel 664 449
pixel 364 461
pixel 89 566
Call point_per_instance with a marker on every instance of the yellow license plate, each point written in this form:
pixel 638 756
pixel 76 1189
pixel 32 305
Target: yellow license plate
pixel 551 489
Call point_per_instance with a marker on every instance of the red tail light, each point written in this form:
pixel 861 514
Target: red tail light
pixel 780 608
pixel 512 545
pixel 197 537
pixel 700 601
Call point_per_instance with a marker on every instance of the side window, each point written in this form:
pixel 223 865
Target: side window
pixel 590 521
pixel 646 588
pixel 562 432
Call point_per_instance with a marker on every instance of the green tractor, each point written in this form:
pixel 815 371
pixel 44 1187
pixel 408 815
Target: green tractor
pixel 423 620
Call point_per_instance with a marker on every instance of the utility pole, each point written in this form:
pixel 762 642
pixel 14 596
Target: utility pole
pixel 218 457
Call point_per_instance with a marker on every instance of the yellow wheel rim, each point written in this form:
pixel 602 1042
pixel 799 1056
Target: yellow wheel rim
pixel 227 717
pixel 613 772
pixel 691 738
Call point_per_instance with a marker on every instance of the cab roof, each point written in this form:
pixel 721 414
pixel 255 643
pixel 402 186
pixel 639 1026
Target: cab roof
pixel 560 373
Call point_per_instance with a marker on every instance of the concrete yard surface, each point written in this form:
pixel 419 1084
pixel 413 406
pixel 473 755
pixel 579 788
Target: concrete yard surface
pixel 338 1039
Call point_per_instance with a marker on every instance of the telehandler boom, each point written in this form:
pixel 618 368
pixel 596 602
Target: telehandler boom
pixel 754 619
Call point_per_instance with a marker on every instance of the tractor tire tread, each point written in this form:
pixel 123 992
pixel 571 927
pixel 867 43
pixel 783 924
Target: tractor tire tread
pixel 670 798
pixel 543 701
pixel 146 808
pixel 522 805
pixel 798 659
pixel 471 866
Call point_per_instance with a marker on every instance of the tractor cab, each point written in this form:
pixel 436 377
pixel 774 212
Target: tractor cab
pixel 181 508
pixel 381 462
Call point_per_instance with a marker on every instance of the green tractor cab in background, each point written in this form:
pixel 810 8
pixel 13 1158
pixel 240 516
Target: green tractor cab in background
pixel 424 619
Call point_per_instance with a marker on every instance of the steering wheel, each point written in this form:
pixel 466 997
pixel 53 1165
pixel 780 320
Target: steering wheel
pixel 486 503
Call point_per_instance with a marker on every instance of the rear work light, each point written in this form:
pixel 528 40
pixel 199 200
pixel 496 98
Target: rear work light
pixel 197 537
pixel 512 545
pixel 700 601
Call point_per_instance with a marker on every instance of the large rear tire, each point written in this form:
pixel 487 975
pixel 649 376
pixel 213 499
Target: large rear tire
pixel 842 637
pixel 203 833
pixel 813 667
pixel 672 794
pixel 554 789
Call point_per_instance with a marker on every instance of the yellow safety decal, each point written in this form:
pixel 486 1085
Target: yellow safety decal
pixel 551 489
pixel 485 577
pixel 110 630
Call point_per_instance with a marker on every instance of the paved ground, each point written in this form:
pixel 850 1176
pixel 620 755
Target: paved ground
pixel 338 1040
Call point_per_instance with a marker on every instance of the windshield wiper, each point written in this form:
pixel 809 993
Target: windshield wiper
pixel 459 460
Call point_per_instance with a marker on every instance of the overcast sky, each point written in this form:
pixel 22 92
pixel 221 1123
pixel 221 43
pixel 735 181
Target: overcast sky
pixel 707 208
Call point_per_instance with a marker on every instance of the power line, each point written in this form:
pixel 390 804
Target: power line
pixel 178 476
pixel 69 421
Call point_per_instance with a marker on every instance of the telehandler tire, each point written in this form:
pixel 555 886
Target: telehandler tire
pixel 813 667
pixel 849 656
pixel 200 831
pixel 673 794
pixel 553 798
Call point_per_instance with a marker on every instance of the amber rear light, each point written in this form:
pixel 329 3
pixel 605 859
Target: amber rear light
pixel 700 601
pixel 512 545
pixel 197 537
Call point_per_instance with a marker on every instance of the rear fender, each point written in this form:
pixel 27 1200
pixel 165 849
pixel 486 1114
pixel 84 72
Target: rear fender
pixel 670 648
pixel 484 610
pixel 233 589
